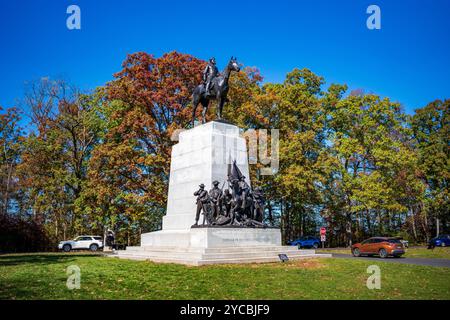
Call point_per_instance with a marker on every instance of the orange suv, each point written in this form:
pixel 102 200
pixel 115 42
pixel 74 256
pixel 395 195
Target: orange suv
pixel 384 247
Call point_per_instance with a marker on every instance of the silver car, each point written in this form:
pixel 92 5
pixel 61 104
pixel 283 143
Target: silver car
pixel 92 243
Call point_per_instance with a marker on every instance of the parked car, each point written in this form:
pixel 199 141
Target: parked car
pixel 381 246
pixel 441 241
pixel 405 243
pixel 92 243
pixel 306 242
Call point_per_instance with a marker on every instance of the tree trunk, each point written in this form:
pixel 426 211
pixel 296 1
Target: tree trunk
pixel 425 225
pixel 369 224
pixel 437 227
pixel 6 196
pixel 413 223
pixel 348 230
pixel 380 226
pixel 302 223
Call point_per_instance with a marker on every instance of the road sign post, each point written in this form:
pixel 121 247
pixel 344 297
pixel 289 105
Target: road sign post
pixel 323 236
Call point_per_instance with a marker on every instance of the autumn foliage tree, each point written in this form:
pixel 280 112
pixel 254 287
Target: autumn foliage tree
pixel 351 161
pixel 431 137
pixel 18 230
pixel 54 162
pixel 144 107
pixel 372 167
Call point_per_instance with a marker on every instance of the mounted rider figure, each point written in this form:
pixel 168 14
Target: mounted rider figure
pixel 209 74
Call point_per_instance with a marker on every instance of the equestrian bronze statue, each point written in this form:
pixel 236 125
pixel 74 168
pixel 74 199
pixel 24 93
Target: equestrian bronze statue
pixel 214 87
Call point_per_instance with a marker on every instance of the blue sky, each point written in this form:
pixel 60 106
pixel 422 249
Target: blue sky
pixel 407 60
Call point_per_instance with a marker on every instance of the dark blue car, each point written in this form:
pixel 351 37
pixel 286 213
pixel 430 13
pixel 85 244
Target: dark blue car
pixel 306 242
pixel 441 241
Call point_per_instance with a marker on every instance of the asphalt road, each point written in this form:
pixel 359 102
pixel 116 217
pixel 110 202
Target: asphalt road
pixel 417 261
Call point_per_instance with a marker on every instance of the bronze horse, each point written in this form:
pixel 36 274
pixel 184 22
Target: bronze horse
pixel 218 91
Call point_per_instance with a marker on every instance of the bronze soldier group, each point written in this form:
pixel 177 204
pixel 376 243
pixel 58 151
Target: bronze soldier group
pixel 238 205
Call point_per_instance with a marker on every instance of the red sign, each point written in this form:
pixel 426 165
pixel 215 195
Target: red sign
pixel 323 231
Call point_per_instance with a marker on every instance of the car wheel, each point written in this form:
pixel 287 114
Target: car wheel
pixel 67 248
pixel 356 252
pixel 442 244
pixel 93 247
pixel 383 253
pixel 315 245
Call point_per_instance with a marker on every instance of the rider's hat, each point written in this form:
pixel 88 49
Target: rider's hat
pixel 212 59
pixel 202 185
pixel 216 183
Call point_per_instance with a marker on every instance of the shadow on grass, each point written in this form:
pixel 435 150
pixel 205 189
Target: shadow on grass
pixel 43 258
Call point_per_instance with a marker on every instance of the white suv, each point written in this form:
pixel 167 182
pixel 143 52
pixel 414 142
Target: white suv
pixel 92 243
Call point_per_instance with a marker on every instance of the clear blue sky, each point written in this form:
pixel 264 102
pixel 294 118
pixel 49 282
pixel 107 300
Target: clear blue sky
pixel 407 60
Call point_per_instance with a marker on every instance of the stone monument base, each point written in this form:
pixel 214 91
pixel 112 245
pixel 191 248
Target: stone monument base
pixel 218 245
pixel 202 156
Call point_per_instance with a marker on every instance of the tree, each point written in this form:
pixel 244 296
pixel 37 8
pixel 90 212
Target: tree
pixel 373 167
pixel 295 109
pixel 54 160
pixel 144 107
pixel 431 134
pixel 11 144
pixel 352 161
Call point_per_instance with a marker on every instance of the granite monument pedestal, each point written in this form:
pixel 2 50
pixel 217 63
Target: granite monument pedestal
pixel 202 156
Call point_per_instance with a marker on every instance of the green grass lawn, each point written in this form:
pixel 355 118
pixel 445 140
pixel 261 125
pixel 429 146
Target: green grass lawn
pixel 340 250
pixel 439 253
pixel 43 276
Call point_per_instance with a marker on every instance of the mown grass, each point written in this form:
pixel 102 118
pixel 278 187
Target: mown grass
pixel 436 253
pixel 43 276
pixel 440 253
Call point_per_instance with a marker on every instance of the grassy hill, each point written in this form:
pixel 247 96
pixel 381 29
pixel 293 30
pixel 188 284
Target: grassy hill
pixel 43 276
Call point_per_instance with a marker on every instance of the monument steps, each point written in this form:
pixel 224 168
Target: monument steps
pixel 229 260
pixel 219 255
pixel 163 249
pixel 259 260
pixel 258 249
pixel 220 249
pixel 204 256
pixel 205 154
